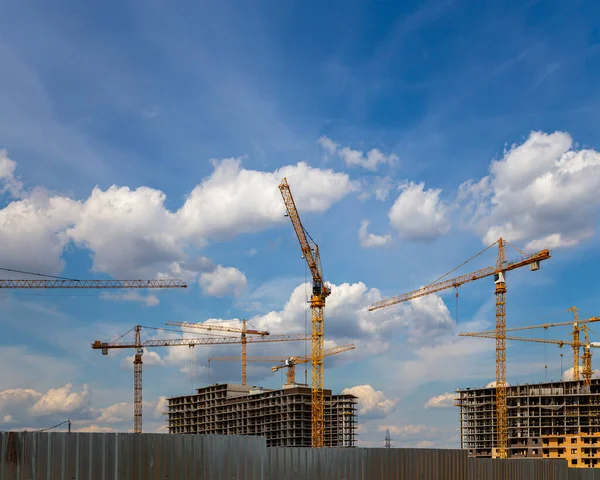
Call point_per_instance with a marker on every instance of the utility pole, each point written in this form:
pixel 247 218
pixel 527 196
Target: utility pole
pixel 388 439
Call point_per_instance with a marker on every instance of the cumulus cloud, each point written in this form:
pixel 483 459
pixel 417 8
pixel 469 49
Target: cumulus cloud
pixel 445 400
pixel 23 408
pixel 356 158
pixel 493 384
pixel 61 400
pixel 568 375
pixel 130 232
pixel 33 231
pixel 149 357
pixel 223 281
pixel 370 240
pixel 371 403
pixel 419 214
pixel 541 193
pixel 347 317
pixel 20 406
pixel 8 182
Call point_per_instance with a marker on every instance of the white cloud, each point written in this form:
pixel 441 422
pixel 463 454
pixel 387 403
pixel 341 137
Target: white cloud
pixel 61 400
pixel 8 181
pixel 541 192
pixel 370 240
pixel 223 281
pixel 371 403
pixel 419 214
pixel 328 144
pixel 95 429
pixel 20 405
pixel 121 412
pixel 493 384
pixel 357 158
pixel 445 400
pixel 569 376
pixel 408 430
pixel 149 300
pixel 149 357
pixel 234 200
pixel 130 232
pixel 33 231
pixel 383 187
pixel 347 317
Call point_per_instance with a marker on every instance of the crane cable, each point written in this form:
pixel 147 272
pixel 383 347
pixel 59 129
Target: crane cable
pixel 38 274
pixel 462 264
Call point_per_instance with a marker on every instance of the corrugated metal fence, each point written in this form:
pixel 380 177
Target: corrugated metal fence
pixel 123 456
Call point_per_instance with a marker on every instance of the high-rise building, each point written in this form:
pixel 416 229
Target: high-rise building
pixel 546 420
pixel 282 416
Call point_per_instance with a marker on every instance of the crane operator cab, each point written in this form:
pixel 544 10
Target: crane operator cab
pixel 317 287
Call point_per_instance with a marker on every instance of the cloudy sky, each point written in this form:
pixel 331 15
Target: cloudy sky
pixel 147 139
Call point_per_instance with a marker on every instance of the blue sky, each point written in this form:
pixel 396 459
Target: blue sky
pixel 148 139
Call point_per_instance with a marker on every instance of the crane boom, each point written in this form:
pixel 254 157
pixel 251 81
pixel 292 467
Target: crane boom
pixel 310 249
pixel 177 342
pixel 462 279
pixel 548 325
pixel 92 284
pixel 252 358
pixel 560 343
pixel 220 328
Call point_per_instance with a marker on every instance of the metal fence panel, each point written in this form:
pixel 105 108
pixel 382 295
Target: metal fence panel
pixel 108 456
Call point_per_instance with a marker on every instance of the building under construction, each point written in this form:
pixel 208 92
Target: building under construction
pixel 282 416
pixel 548 420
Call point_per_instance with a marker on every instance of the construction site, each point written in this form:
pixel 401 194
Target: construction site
pixel 543 421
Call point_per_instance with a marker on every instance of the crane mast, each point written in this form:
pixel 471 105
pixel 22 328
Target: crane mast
pixel 310 252
pixel 499 273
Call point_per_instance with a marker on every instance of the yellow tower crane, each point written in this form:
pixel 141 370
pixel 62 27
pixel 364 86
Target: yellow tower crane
pixel 320 291
pixel 577 324
pixel 221 328
pixel 499 273
pixel 139 346
pixel 288 362
pixel 587 356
